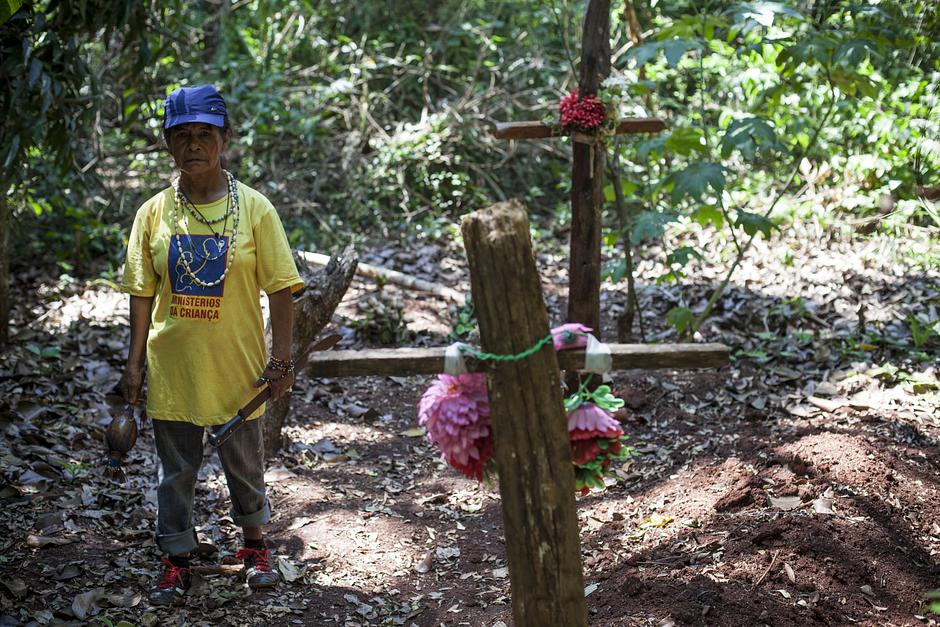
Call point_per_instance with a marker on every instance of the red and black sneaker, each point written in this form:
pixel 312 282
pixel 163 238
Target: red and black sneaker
pixel 172 587
pixel 258 571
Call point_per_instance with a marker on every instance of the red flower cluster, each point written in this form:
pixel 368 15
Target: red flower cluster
pixel 596 440
pixel 585 451
pixel 581 114
pixel 455 410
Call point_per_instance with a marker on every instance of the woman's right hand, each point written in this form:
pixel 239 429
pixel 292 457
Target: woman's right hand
pixel 131 384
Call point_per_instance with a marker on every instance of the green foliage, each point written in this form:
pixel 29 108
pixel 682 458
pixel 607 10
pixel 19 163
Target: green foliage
pixel 359 126
pixel 465 322
pixel 754 223
pixel 746 135
pixel 55 119
pixel 680 318
pixel 754 90
pixel 934 597
pixel 8 8
pixel 650 225
pixel 600 396
pixel 695 179
pixel 682 255
pixel 923 332
pixel 673 49
pixel 44 352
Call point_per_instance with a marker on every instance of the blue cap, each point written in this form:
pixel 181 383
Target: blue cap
pixel 194 104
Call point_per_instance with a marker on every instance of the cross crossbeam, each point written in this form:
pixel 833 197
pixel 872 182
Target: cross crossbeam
pixel 417 361
pixel 541 130
pixel 587 185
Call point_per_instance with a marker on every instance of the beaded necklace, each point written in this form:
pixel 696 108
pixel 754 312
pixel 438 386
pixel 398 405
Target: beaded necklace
pixel 233 209
pixel 194 211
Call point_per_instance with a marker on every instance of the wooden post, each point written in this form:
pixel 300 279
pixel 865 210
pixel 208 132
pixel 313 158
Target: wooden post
pixel 587 179
pixel 536 480
pixel 587 170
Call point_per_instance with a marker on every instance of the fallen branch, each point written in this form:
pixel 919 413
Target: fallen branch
pixel 393 276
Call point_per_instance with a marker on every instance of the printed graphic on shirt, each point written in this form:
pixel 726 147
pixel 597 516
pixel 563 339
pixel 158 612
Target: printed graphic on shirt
pixel 203 257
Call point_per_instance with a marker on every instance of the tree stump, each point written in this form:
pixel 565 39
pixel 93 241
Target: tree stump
pixel 532 452
pixel 313 309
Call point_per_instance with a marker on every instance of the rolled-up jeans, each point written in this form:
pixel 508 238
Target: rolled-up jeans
pixel 180 447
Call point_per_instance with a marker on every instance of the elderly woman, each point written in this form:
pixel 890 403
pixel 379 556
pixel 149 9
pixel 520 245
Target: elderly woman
pixel 199 254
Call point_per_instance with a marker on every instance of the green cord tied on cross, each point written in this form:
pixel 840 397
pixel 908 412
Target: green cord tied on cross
pixel 597 357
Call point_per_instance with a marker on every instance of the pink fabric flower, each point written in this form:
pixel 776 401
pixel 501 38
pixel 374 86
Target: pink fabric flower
pixel 586 424
pixel 590 421
pixel 455 410
pixel 570 335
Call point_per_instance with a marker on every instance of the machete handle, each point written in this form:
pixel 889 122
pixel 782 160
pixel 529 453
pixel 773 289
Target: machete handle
pixel 220 435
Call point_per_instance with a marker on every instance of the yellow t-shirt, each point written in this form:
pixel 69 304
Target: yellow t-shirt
pixel 205 347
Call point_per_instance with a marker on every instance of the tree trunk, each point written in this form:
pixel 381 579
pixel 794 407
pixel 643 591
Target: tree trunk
pixel 313 309
pixel 584 270
pixel 595 46
pixel 587 179
pixel 536 479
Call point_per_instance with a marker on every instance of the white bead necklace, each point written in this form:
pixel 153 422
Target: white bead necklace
pixel 178 201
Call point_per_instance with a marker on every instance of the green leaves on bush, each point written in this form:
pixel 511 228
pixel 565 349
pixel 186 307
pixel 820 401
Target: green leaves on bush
pixel 708 214
pixel 695 179
pixel 746 135
pixel 650 225
pixel 749 16
pixel 680 318
pixel 686 140
pixel 358 125
pixel 682 255
pixel 464 322
pixel 754 223
pixel 922 331
pixel 627 187
pixel 674 49
pixel 8 8
pixel 44 352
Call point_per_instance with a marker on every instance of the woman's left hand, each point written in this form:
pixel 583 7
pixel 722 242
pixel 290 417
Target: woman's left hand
pixel 278 386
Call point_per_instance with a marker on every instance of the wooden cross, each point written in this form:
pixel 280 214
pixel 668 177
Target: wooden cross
pixel 587 171
pixel 527 414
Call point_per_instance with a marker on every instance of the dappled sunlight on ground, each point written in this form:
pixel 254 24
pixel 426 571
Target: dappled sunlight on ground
pixel 796 486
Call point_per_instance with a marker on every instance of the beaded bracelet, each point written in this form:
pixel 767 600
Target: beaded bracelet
pixel 280 364
pixel 283 376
